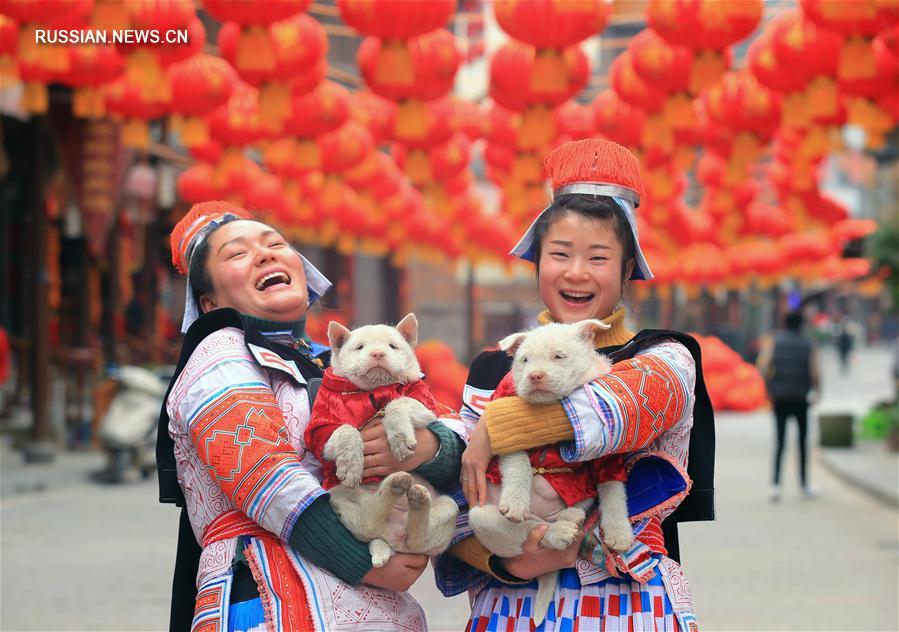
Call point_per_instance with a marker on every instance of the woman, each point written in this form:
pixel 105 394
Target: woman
pixel 586 249
pixel 272 553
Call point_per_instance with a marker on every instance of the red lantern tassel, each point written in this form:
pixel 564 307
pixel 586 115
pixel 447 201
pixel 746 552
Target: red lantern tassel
pixel 194 132
pixel 136 134
pixel 34 98
pixel 411 120
pixel 255 51
pixel 857 59
pixel 394 66
pixel 418 168
pixel 88 103
pixel 538 127
pixel 550 72
pixel 708 67
pixel 307 155
pixel 274 102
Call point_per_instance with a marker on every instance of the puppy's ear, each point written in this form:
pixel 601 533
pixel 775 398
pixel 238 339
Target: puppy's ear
pixel 510 343
pixel 337 335
pixel 408 328
pixel 587 329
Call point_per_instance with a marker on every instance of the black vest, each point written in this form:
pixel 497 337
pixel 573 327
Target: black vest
pixel 790 366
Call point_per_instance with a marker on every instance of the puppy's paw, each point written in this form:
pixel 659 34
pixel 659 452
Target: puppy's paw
pixel 402 445
pixel 572 514
pixel 618 535
pixel 398 483
pixel 420 415
pixel 514 512
pixel 560 534
pixel 419 497
pixel 380 552
pixel 349 469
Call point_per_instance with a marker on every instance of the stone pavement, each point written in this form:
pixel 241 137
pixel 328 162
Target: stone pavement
pixel 81 556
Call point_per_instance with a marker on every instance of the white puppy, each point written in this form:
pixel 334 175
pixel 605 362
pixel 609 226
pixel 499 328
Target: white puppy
pixel 549 363
pixel 403 513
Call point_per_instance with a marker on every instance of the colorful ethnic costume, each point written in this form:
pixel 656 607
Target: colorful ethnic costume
pixel 652 408
pixel 256 548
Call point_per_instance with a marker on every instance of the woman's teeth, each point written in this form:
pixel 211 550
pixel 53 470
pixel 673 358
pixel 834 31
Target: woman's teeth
pixel 577 297
pixel 270 279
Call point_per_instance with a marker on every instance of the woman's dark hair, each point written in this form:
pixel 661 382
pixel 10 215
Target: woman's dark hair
pixel 592 207
pixel 198 271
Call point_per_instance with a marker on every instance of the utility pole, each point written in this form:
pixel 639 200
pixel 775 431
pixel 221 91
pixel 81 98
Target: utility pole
pixel 40 448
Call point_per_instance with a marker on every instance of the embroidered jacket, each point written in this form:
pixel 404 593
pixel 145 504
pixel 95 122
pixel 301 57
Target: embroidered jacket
pixel 643 406
pixel 237 413
pixel 340 402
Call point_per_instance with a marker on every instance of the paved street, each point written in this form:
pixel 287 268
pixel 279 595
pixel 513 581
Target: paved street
pixel 80 556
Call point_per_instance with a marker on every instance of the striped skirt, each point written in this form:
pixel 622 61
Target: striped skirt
pixel 662 604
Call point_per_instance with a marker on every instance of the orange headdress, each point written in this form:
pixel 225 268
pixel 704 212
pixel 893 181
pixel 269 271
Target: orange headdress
pixel 594 167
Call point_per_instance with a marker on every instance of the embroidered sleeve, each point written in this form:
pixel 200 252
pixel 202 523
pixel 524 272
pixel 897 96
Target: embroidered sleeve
pixel 633 405
pixel 224 403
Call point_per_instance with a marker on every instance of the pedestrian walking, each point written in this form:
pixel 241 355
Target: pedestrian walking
pixel 788 362
pixel 845 342
pixel 586 250
pixel 259 545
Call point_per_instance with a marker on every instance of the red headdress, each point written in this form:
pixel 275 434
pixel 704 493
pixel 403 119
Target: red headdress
pixel 594 167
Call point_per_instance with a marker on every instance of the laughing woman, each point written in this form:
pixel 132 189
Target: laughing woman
pixel 259 546
pixel 586 250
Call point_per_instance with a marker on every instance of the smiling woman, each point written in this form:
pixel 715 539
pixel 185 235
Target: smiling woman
pixel 256 272
pixel 230 448
pixel 650 409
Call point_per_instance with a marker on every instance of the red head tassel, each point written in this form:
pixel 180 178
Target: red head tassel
pixel 193 223
pixel 594 160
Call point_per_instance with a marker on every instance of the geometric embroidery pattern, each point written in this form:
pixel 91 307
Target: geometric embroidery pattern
pixel 650 397
pixel 243 441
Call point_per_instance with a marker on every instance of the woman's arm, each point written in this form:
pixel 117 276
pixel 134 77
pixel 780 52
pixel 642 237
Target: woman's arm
pixel 620 412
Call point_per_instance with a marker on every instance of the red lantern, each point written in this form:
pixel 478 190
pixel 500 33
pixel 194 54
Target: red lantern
pixel 255 50
pixel 376 113
pixel 299 46
pixel 200 84
pixel 631 88
pixel 511 69
pixel 91 66
pixel 706 26
pixel 345 147
pixel 127 101
pixel 237 123
pixel 396 19
pixel 146 61
pixel 617 120
pixel 659 63
pixel 9 43
pixel 574 121
pixel 321 111
pixel 195 184
pixel 551 24
pixel 435 59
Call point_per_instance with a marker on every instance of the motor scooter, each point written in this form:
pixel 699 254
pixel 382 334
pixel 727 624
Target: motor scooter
pixel 128 429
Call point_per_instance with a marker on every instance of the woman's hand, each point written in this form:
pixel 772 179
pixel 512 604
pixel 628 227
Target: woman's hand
pixel 379 461
pixel 475 460
pixel 536 560
pixel 399 573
